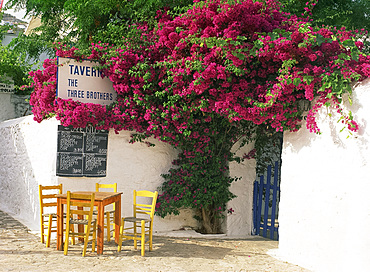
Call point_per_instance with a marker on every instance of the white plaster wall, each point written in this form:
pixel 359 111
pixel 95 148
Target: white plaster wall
pixel 135 167
pixel 240 223
pixel 28 158
pixel 21 105
pixel 324 211
pixel 7 110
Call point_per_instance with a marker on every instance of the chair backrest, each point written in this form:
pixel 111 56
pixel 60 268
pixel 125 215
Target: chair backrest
pixel 144 203
pixel 99 186
pixel 84 201
pixel 110 187
pixel 47 196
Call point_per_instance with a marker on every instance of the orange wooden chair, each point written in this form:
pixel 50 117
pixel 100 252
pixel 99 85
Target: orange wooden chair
pixel 109 215
pixel 80 208
pixel 141 223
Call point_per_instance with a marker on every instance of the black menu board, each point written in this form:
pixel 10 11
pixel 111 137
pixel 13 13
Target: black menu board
pixel 82 152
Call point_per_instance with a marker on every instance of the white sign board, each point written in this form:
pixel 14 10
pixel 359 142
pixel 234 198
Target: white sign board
pixel 83 82
pixel 6 88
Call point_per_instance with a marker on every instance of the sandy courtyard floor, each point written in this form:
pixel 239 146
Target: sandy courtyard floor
pixel 21 250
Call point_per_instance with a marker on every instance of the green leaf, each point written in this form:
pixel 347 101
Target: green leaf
pixel 297 81
pixel 320 39
pixel 349 43
pixel 308 79
pixel 355 56
pixel 239 56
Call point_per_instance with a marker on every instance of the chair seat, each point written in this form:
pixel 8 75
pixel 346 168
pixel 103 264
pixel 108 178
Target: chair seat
pixel 136 219
pixel 54 215
pixel 96 212
pixel 81 221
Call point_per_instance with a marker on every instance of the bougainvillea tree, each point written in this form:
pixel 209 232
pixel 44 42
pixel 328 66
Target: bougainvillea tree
pixel 206 80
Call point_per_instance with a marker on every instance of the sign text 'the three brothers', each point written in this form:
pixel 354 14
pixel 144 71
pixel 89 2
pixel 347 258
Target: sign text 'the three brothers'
pixel 81 81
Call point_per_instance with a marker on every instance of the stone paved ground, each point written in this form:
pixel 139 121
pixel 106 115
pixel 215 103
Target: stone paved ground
pixel 21 250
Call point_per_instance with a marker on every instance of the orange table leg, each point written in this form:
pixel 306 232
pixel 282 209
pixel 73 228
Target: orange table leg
pixel 117 219
pixel 59 224
pixel 100 236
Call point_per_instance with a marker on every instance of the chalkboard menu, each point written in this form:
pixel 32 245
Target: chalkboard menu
pixel 82 152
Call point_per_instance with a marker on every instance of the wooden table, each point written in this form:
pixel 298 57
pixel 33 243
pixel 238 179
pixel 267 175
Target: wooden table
pixel 102 199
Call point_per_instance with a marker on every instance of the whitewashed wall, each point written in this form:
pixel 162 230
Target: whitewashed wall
pixel 324 211
pixel 14 106
pixel 240 223
pixel 21 105
pixel 28 158
pixel 7 109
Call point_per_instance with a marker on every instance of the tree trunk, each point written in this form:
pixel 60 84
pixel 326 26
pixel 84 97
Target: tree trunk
pixel 210 222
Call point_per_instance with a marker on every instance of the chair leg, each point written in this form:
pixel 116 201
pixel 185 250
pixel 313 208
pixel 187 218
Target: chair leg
pixel 142 238
pixel 42 229
pixel 49 230
pixel 73 239
pixel 135 235
pixel 150 238
pixel 86 240
pixel 120 235
pixel 72 229
pixel 113 226
pixel 66 239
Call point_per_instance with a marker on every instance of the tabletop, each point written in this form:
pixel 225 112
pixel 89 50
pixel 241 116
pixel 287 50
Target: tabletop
pixel 99 196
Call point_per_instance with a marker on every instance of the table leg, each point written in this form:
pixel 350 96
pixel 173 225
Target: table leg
pixel 117 219
pixel 80 227
pixel 100 236
pixel 59 224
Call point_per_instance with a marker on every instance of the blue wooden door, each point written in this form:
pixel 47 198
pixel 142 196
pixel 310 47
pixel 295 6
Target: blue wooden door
pixel 266 197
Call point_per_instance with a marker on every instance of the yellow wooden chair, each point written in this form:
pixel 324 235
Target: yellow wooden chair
pixel 48 206
pixel 109 215
pixel 80 208
pixel 142 220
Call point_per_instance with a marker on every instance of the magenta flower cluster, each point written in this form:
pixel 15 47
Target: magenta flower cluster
pixel 247 61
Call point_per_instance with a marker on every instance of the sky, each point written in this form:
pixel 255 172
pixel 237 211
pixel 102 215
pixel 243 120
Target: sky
pixel 19 14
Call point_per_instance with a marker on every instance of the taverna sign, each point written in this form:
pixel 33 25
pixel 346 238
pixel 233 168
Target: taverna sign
pixel 81 81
